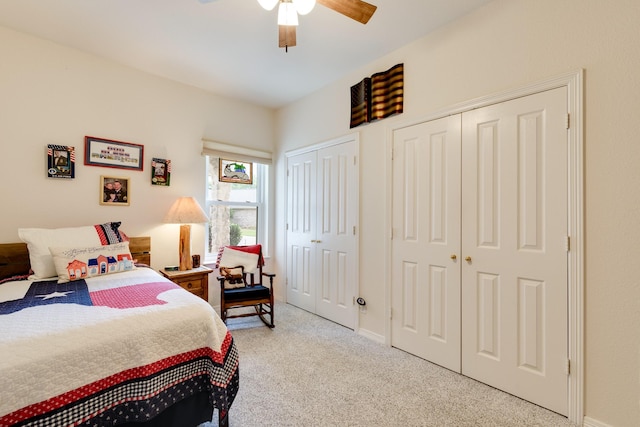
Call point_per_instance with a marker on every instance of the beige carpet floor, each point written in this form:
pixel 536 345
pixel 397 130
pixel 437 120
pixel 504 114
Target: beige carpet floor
pixel 308 371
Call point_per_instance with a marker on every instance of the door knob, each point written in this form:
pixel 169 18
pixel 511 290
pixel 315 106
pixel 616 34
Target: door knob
pixel 454 257
pixel 468 259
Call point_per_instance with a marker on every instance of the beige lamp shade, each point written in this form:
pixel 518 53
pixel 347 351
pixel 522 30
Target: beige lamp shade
pixel 185 211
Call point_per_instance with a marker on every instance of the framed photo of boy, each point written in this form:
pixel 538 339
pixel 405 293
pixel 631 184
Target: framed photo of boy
pixel 115 191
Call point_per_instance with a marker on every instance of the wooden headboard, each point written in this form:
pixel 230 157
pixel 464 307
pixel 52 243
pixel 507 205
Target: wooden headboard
pixel 14 257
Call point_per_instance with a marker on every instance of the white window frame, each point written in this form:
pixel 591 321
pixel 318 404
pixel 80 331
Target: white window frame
pixel 261 175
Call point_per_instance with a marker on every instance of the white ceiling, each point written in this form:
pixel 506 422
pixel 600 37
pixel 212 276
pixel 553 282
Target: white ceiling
pixel 230 47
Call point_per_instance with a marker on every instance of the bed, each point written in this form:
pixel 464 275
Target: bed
pixel 124 346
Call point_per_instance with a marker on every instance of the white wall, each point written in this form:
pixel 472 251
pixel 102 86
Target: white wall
pixel 507 44
pixel 50 94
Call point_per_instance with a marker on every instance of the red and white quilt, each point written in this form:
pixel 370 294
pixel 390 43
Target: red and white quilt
pixel 108 350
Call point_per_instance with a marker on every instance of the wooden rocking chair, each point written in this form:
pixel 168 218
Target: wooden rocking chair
pixel 245 289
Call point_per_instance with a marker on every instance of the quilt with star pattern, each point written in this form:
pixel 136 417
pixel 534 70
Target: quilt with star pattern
pixel 109 350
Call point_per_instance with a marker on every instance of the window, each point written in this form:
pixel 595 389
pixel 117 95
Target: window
pixel 237 212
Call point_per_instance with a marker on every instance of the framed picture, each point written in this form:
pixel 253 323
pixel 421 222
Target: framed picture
pixel 113 154
pixel 115 191
pixel 160 171
pixel 235 171
pixel 61 161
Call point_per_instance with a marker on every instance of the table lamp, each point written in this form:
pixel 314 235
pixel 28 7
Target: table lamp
pixel 185 211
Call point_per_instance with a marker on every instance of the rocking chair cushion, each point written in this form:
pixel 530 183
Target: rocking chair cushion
pixel 249 292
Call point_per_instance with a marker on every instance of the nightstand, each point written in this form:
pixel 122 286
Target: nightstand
pixel 195 280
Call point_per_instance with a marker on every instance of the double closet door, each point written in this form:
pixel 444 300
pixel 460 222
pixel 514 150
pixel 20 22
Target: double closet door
pixel 322 214
pixel 479 247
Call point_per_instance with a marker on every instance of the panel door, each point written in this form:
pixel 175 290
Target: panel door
pixel 336 242
pixel 301 230
pixel 426 241
pixel 514 228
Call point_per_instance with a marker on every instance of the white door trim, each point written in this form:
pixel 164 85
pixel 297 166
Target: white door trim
pixel 355 136
pixel 573 81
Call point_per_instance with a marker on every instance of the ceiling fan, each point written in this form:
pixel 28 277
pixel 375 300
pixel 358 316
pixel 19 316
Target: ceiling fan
pixel 288 11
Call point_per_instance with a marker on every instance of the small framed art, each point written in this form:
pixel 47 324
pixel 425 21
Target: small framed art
pixel 112 154
pixel 160 171
pixel 115 191
pixel 61 161
pixel 235 171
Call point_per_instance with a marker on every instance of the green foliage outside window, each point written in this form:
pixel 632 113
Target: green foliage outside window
pixel 235 234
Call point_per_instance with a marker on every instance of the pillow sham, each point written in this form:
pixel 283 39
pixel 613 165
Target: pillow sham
pixel 82 263
pixel 39 240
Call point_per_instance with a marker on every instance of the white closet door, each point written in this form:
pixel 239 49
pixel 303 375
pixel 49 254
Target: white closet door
pixel 514 228
pixel 322 243
pixel 426 241
pixel 301 230
pixel 336 242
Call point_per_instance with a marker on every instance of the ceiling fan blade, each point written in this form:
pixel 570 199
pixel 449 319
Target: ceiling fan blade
pixel 358 10
pixel 286 36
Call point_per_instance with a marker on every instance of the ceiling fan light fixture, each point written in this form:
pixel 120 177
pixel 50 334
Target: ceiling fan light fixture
pixel 287 14
pixel 304 6
pixel 268 4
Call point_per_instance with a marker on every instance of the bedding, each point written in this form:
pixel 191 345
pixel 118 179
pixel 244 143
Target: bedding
pixel 109 350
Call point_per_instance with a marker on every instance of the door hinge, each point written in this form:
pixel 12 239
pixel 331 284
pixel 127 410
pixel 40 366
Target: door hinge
pixel 568 121
pixel 355 160
pixel 567 368
pixel 354 230
pixel 390 313
pixel 567 244
pixel 287 227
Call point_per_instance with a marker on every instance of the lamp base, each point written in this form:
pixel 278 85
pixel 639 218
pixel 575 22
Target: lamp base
pixel 186 263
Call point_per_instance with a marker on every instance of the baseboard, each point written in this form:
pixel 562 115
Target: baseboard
pixel 371 335
pixel 590 422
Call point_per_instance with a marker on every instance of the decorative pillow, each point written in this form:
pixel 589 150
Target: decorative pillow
pixel 81 263
pixel 249 261
pixel 234 277
pixel 39 240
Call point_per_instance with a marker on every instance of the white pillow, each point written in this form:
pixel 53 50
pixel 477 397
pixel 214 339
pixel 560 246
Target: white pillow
pixel 82 263
pixel 235 258
pixel 39 240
